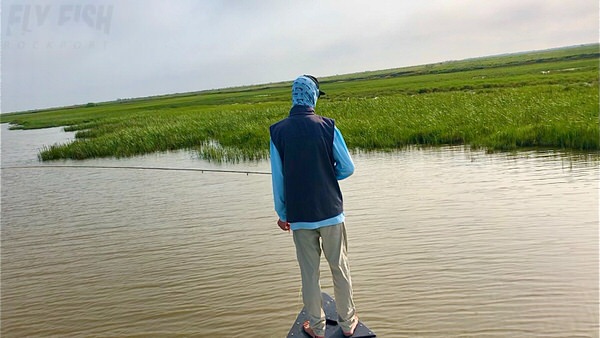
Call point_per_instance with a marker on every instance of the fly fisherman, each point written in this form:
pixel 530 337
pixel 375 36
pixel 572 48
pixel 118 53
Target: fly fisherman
pixel 308 157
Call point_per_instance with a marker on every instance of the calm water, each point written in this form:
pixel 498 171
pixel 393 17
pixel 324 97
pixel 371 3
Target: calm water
pixel 443 243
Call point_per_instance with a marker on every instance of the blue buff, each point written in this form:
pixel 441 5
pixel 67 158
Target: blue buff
pixel 344 167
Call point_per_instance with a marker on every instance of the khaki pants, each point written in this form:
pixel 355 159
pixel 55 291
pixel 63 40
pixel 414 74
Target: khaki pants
pixel 332 240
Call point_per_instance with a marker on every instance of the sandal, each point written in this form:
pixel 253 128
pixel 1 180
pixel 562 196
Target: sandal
pixel 309 330
pixel 352 329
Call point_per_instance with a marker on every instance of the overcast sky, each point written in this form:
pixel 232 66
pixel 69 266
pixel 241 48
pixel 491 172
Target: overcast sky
pixel 57 53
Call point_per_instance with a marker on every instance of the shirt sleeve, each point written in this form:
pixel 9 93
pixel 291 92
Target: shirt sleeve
pixel 277 180
pixel 344 167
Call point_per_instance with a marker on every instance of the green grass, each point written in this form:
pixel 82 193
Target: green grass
pixel 545 99
pixel 504 119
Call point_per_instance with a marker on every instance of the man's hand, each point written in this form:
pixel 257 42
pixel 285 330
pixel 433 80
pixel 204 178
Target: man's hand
pixel 285 226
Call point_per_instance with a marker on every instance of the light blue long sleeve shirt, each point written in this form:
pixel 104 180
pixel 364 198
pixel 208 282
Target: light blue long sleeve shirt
pixel 344 167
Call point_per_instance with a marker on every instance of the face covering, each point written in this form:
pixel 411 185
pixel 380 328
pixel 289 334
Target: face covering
pixel 304 92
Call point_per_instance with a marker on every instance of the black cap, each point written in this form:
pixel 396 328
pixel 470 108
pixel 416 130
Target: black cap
pixel 314 79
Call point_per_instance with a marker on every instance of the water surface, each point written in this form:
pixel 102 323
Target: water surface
pixel 443 242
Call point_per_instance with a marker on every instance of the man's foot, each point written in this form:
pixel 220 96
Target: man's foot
pixel 310 332
pixel 352 328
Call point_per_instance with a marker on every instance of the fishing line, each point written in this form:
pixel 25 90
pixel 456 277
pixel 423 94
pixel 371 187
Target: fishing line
pixel 247 172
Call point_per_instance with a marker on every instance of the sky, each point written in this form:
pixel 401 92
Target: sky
pixel 59 53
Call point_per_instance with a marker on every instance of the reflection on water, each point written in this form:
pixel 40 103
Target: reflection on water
pixel 444 242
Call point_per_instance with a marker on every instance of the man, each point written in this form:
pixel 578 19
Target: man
pixel 308 157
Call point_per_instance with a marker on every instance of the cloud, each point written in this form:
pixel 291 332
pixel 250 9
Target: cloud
pixel 115 49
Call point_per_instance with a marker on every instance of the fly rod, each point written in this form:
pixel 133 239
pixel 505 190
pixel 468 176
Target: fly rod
pixel 247 172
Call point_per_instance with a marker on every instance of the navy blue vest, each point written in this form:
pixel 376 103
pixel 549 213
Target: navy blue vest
pixel 304 141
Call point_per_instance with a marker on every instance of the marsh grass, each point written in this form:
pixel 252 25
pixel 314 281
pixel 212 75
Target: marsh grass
pixel 501 119
pixel 541 100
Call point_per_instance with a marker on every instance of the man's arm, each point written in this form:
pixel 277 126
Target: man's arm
pixel 344 167
pixel 277 180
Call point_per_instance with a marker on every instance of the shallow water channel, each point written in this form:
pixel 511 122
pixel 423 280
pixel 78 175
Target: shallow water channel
pixel 443 242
